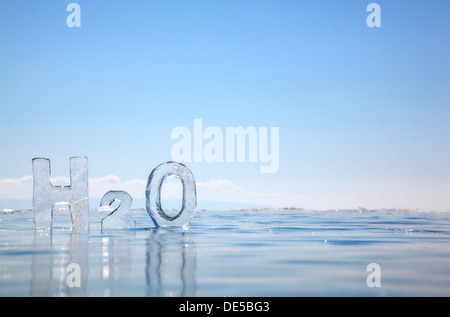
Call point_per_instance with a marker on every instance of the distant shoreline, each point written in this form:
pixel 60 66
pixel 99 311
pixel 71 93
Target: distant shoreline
pixel 289 209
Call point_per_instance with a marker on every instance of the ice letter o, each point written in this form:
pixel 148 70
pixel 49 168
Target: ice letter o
pixel 153 195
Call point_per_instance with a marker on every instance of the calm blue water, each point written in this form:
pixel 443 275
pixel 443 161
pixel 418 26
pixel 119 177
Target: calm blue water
pixel 231 253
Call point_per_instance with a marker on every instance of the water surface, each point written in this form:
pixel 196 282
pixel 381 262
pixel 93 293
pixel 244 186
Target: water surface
pixel 231 253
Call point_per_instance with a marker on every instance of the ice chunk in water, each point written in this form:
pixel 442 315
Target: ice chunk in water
pixel 114 220
pixel 153 195
pixel 45 195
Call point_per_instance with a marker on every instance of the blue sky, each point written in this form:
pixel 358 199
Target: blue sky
pixel 363 112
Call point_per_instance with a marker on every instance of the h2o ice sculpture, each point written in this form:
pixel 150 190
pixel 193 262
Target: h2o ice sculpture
pixel 45 195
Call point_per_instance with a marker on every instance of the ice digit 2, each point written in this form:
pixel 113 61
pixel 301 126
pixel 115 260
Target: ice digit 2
pixel 153 195
pixel 114 219
pixel 45 195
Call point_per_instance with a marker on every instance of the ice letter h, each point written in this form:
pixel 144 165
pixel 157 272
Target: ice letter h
pixel 45 195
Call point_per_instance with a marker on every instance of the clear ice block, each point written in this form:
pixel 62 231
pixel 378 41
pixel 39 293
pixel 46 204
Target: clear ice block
pixel 153 195
pixel 45 195
pixel 114 219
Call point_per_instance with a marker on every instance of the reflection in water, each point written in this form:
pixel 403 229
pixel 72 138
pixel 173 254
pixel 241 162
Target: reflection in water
pixel 116 263
pixel 155 262
pixel 51 274
pixel 170 263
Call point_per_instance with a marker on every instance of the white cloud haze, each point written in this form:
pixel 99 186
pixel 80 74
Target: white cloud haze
pixel 227 191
